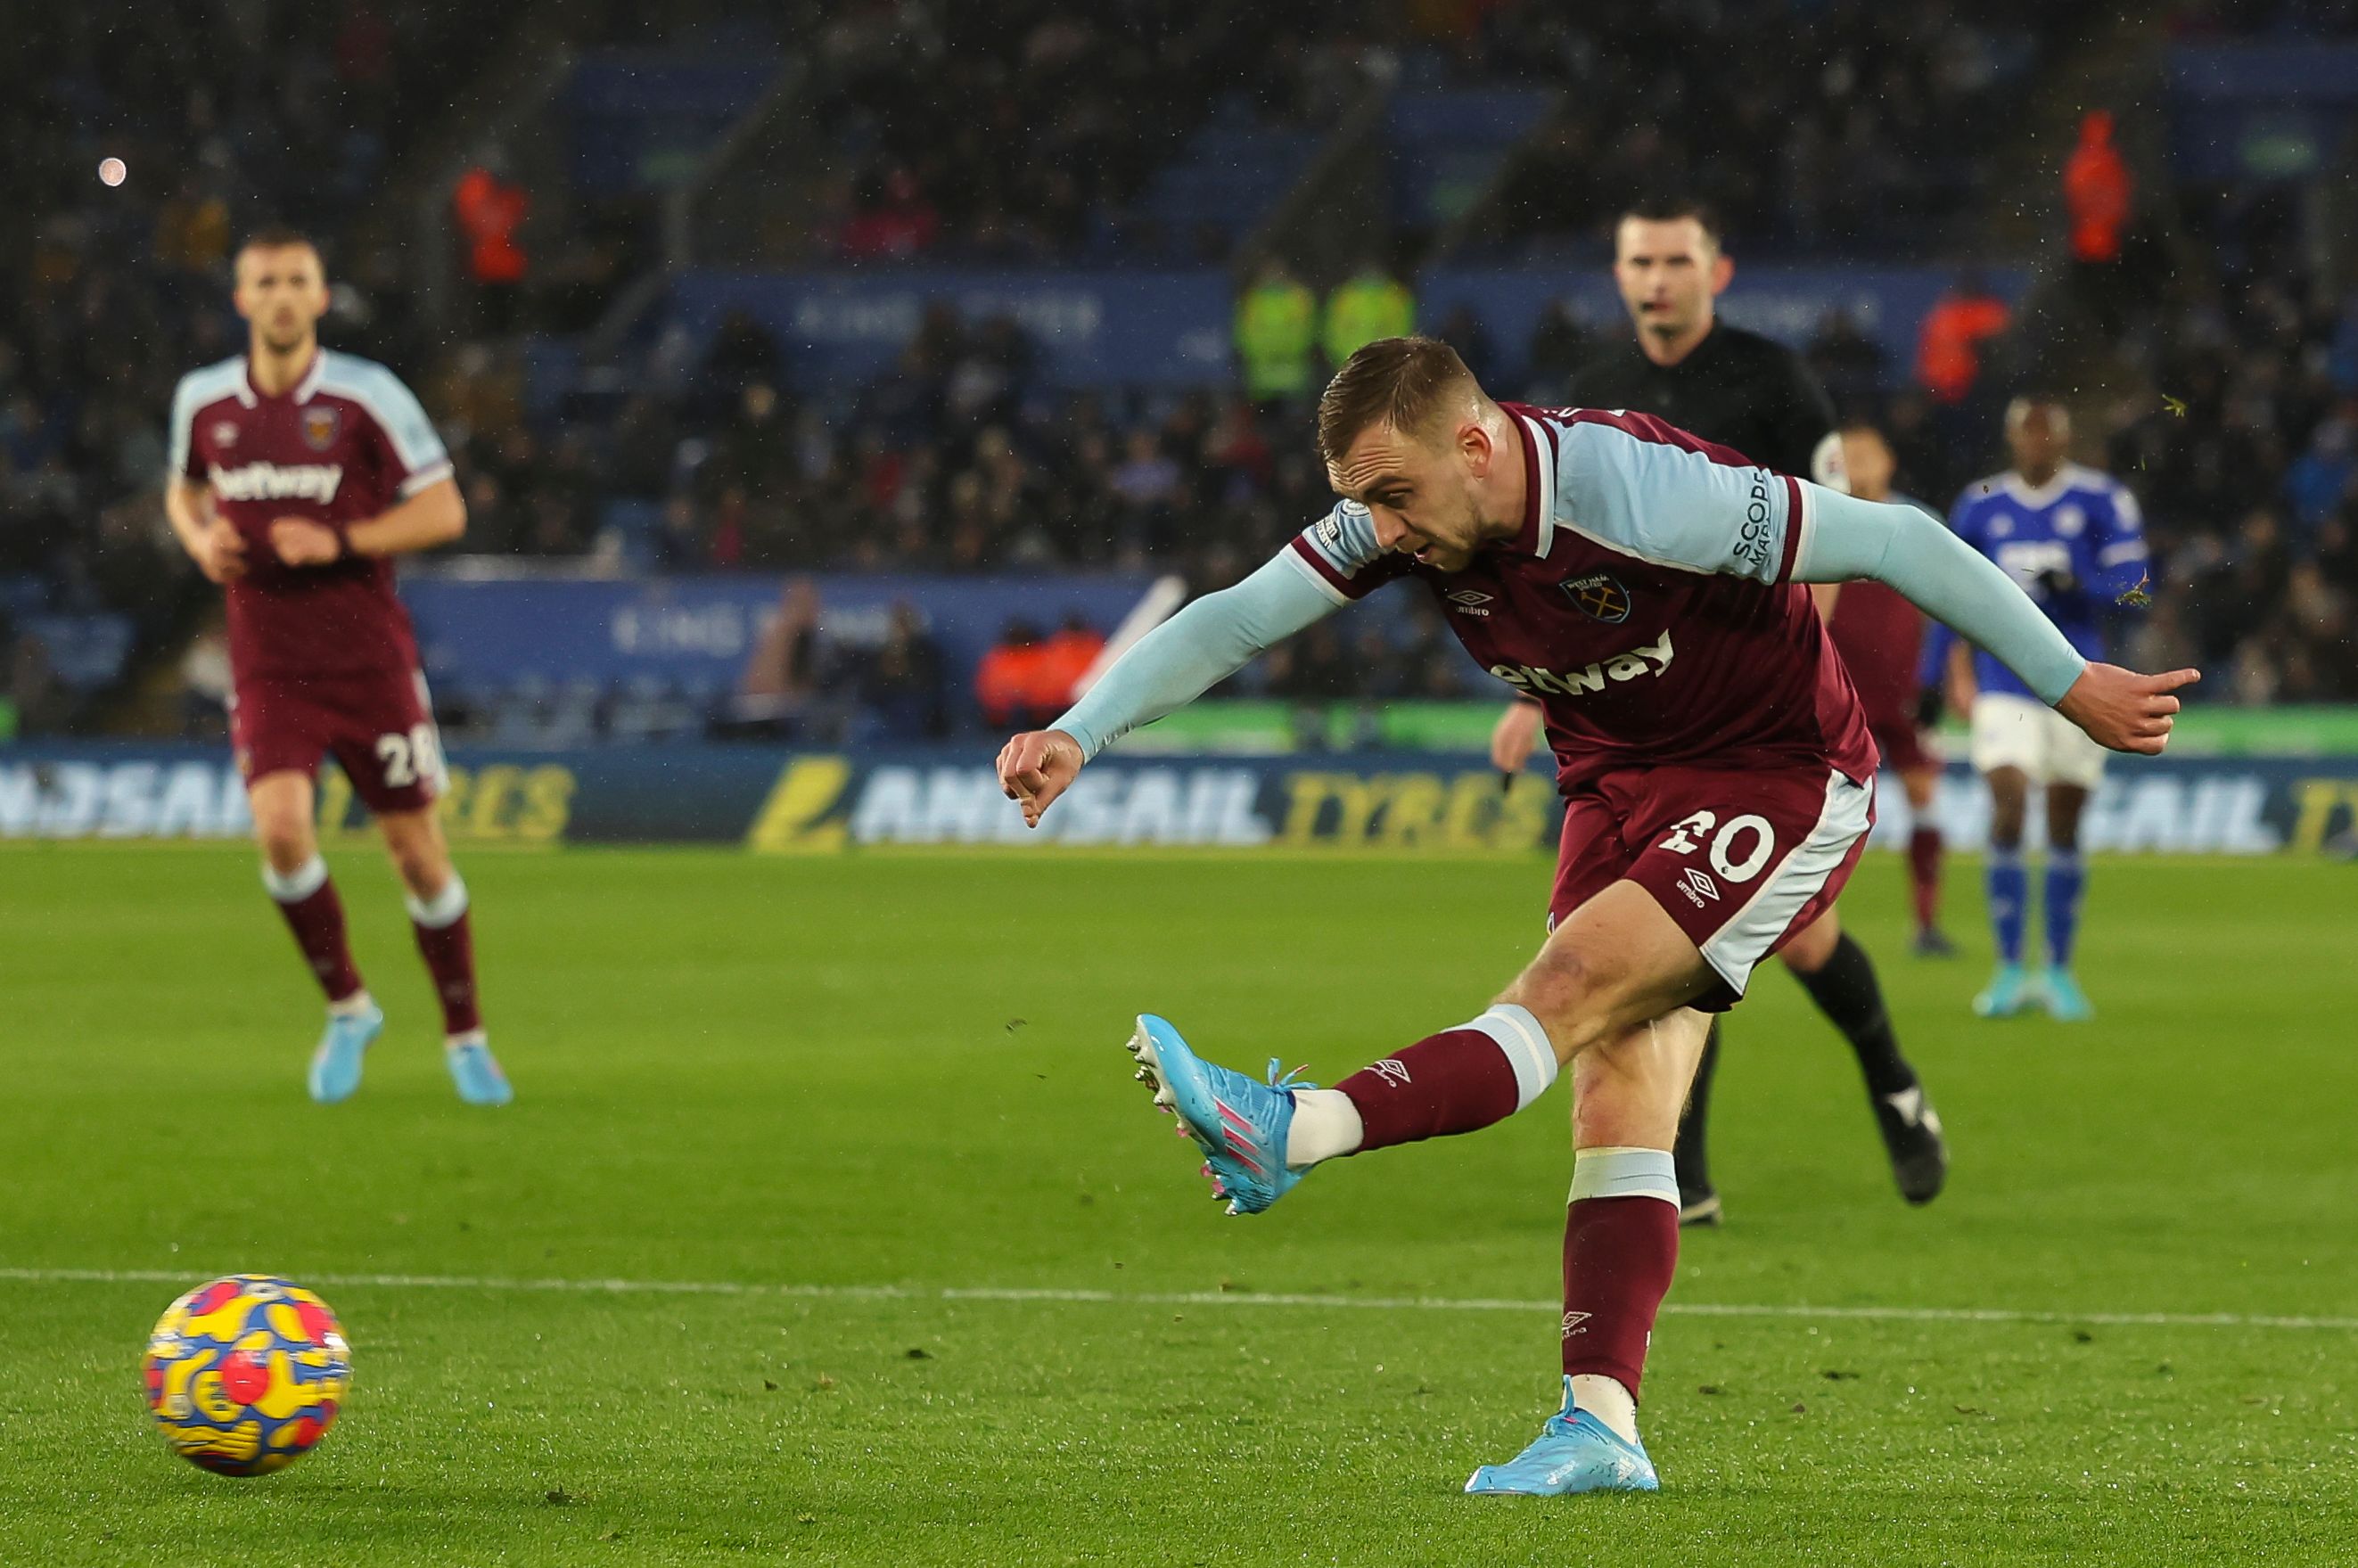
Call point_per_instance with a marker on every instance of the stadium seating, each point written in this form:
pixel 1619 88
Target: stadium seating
pixel 1232 172
pixel 952 418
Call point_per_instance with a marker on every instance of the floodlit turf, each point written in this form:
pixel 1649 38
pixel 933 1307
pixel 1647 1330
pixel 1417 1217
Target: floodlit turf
pixel 829 1076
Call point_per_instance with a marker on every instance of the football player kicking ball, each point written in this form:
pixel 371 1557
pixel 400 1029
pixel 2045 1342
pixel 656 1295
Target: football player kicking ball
pixel 296 475
pixel 1716 765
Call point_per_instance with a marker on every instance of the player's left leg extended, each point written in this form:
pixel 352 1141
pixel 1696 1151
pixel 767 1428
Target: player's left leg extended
pixel 1616 962
pixel 1620 1254
pixel 438 903
pixel 2066 881
pixel 1840 978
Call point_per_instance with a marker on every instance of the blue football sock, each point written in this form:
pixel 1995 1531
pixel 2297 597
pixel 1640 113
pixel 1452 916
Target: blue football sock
pixel 2009 890
pixel 2067 878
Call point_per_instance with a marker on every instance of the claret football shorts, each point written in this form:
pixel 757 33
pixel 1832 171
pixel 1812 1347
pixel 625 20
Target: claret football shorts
pixel 379 730
pixel 1742 859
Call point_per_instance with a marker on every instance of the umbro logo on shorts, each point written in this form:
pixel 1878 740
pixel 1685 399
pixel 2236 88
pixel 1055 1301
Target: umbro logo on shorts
pixel 1699 886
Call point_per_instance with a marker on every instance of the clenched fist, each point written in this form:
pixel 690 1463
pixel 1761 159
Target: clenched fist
pixel 300 542
pixel 1037 767
pixel 219 551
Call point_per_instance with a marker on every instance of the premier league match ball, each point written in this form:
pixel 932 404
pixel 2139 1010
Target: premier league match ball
pixel 245 1375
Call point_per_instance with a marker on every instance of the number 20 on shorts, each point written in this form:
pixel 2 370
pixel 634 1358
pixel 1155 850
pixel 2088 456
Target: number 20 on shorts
pixel 1750 833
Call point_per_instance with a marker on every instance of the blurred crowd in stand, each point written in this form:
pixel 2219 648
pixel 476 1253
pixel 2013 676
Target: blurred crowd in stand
pixel 962 457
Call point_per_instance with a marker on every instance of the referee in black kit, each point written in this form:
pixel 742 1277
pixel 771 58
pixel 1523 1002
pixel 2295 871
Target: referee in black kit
pixel 1744 391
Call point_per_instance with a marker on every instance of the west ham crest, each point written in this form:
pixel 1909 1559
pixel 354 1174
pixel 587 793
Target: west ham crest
pixel 321 423
pixel 1600 596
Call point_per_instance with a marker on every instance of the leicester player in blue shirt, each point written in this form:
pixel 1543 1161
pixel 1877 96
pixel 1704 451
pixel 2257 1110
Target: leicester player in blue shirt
pixel 2074 541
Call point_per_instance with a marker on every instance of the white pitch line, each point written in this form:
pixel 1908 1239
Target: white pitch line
pixel 1205 1298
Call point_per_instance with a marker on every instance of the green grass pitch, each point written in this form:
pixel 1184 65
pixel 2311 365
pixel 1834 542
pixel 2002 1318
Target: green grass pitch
pixel 857 1096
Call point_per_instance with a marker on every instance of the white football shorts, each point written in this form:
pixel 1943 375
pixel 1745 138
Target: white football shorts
pixel 2012 731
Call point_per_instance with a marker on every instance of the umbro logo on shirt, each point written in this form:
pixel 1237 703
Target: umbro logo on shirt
pixel 1468 601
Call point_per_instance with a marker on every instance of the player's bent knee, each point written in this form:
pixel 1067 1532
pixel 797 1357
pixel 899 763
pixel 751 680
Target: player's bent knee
pixel 1556 986
pixel 287 853
pixel 423 869
pixel 1578 1003
pixel 284 835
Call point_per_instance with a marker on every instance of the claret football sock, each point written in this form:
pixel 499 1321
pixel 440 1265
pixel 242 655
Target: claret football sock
pixel 2009 890
pixel 1620 1252
pixel 1848 992
pixel 1924 874
pixel 448 946
pixel 2067 878
pixel 1459 1080
pixel 307 901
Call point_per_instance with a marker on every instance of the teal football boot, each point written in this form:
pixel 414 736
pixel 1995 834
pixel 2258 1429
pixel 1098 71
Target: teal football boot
pixel 336 1065
pixel 2008 994
pixel 2066 1002
pixel 477 1073
pixel 1239 1124
pixel 1575 1451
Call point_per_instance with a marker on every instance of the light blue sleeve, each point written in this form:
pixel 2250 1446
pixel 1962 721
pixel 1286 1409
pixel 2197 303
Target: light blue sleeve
pixel 1843 538
pixel 417 445
pixel 1667 504
pixel 1196 649
pixel 1342 552
pixel 186 399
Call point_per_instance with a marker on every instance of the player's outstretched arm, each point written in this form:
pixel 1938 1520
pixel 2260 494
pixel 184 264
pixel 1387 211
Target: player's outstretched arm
pixel 1168 668
pixel 1954 583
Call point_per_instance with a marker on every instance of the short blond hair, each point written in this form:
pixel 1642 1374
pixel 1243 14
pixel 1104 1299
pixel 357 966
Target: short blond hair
pixel 1399 382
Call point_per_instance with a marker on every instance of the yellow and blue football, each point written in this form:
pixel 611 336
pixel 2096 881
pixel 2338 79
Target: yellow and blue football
pixel 245 1375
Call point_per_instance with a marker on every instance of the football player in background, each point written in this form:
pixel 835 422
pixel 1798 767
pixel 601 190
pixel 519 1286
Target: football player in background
pixel 2074 539
pixel 297 475
pixel 1880 636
